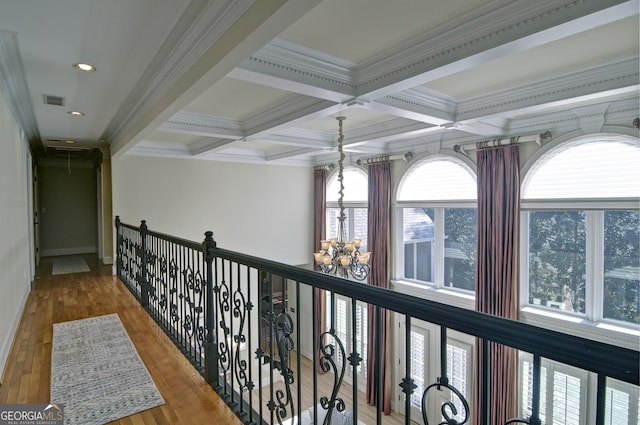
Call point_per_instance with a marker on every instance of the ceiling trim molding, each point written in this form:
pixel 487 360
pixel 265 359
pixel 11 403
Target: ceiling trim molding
pixel 204 125
pixel 418 105
pixel 16 90
pixel 199 27
pixel 205 145
pixel 487 34
pixel 616 78
pixel 393 129
pixel 284 59
pixel 618 112
pixel 301 138
pixel 287 153
pixel 287 111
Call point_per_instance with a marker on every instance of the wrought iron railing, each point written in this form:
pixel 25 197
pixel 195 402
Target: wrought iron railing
pixel 243 322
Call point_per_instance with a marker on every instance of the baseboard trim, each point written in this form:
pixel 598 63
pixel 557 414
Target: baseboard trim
pixel 11 336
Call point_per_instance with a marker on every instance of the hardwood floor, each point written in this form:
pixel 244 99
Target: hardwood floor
pixel 59 298
pixel 189 399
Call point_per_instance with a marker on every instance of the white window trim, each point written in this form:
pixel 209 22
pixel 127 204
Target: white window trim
pixel 438 272
pixel 591 325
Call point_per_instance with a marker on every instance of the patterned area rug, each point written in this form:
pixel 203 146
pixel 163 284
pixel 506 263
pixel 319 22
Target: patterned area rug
pixel 96 372
pixel 68 265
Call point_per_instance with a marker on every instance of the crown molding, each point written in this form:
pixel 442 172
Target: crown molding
pixel 204 125
pixel 206 145
pixel 612 79
pixel 486 34
pixel 302 138
pixel 289 110
pixel 15 89
pixel 282 63
pixel 420 104
pixel 199 27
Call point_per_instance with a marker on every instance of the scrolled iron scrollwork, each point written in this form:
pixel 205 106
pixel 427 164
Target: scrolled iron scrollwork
pixel 333 359
pixel 282 326
pixel 224 350
pixel 192 296
pixel 448 409
pixel 240 308
pixel 173 291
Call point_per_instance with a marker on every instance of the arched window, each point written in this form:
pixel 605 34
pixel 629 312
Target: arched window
pixel 581 230
pixel 356 191
pixel 437 217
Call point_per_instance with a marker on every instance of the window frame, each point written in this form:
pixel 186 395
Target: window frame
pixel 349 207
pixel 590 325
pixel 437 290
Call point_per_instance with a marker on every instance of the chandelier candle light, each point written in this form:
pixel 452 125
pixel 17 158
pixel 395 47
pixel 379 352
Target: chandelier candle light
pixel 339 256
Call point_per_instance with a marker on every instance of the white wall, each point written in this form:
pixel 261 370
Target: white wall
pixel 261 210
pixel 14 228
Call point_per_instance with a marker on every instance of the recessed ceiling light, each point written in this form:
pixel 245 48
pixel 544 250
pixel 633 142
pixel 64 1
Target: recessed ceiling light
pixel 86 67
pixel 75 113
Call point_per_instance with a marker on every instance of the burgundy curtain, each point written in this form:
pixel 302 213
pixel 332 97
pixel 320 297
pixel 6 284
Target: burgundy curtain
pixel 497 273
pixel 378 243
pixel 319 229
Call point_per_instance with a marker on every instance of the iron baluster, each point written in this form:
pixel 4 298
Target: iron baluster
pixel 408 384
pixel 223 342
pixel 283 328
pixel 448 410
pixel 330 353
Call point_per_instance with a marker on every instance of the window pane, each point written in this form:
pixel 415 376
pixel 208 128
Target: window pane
pixel 621 265
pixel 360 227
pixel 602 169
pixel 460 235
pixel 457 373
pixel 557 259
pixel 438 179
pixel 418 371
pixel 356 186
pixel 566 399
pixel 355 224
pixel 418 230
pixel 617 407
pixel 332 223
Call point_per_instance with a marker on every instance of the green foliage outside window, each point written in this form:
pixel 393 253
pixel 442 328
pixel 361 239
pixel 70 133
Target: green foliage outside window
pixel 557 244
pixel 621 265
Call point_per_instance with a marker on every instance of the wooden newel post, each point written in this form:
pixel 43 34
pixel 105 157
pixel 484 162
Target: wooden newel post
pixel 211 373
pixel 142 273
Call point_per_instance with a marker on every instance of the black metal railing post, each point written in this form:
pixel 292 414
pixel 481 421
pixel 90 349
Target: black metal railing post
pixel 211 373
pixel 118 247
pixel 142 273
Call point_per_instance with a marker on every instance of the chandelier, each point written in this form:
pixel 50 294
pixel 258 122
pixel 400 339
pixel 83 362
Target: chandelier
pixel 339 256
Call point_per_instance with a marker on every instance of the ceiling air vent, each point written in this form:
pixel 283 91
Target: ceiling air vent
pixel 53 100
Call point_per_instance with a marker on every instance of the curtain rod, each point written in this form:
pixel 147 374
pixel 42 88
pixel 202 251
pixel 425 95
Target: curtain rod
pixel 376 159
pixel 327 167
pixel 496 143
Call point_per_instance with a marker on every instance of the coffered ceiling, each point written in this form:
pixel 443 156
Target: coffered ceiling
pixel 263 81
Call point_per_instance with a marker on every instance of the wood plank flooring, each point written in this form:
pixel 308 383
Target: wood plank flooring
pixel 189 399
